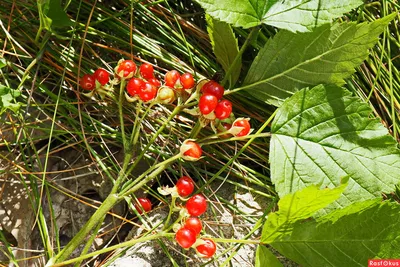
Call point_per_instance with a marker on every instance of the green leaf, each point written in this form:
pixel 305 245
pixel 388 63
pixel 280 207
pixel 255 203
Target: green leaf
pixel 328 55
pixel 322 134
pixel 264 257
pixel 298 206
pixel 7 99
pixel 52 14
pixel 43 8
pixel 347 237
pixel 225 47
pixel 3 63
pixel 293 15
pixel 58 15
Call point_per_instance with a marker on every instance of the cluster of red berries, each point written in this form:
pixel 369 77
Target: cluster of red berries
pixel 211 103
pixel 188 233
pixel 147 87
pixel 212 106
pixel 174 79
pixel 191 151
pixel 142 84
pixel 91 81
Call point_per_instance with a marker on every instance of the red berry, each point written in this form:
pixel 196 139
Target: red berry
pixel 196 205
pixel 144 204
pixel 208 249
pixel 184 186
pixel 171 77
pixel 185 237
pixel 187 81
pixel 154 82
pixel 127 66
pixel 223 110
pixel 194 150
pixel 147 92
pixel 102 76
pixel 194 223
pixel 134 86
pixel 146 70
pixel 213 88
pixel 87 82
pixel 246 127
pixel 207 103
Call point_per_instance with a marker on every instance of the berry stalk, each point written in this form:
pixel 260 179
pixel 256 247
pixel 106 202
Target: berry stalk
pixel 121 115
pixel 108 204
pixel 152 140
pixel 171 208
pixel 155 170
pixel 112 248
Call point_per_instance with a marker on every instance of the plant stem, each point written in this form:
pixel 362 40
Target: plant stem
pixel 241 241
pixel 113 198
pixel 120 245
pixel 258 225
pixel 108 203
pixel 136 133
pixel 140 156
pixel 210 141
pixel 126 146
pixel 136 125
pixel 121 115
pixel 195 130
pixel 169 227
pixel 90 242
pixel 122 173
pixel 156 170
pixel 249 39
pixel 172 206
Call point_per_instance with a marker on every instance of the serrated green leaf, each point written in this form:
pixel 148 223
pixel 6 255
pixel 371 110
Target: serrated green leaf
pixel 293 15
pixel 356 207
pixel 322 134
pixel 298 206
pixel 355 235
pixel 7 99
pixel 328 55
pixel 225 47
pixel 264 257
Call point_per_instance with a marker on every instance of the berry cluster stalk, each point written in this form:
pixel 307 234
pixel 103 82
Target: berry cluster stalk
pixel 130 187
